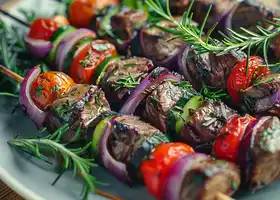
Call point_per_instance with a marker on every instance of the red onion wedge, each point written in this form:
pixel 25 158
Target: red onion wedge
pixel 171 188
pixel 39 48
pixel 117 168
pixel 36 114
pixel 259 152
pixel 68 42
pixel 156 77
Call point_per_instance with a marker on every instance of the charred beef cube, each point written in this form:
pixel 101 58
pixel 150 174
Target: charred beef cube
pixel 78 107
pixel 206 123
pixel 263 96
pixel 241 15
pixel 178 7
pixel 209 178
pixel 125 22
pixel 198 177
pixel 131 140
pixel 155 46
pixel 208 68
pixel 122 77
pixel 259 156
pixel 163 99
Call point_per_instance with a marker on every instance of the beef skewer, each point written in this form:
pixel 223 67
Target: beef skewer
pixel 132 124
pixel 213 71
pixel 219 126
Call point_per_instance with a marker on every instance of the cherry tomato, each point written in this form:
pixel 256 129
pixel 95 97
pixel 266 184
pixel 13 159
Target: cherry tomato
pixel 48 86
pixel 42 29
pixel 226 147
pixel 60 20
pixel 240 80
pixel 89 58
pixel 82 11
pixel 160 160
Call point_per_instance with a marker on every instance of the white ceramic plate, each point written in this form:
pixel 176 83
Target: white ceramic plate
pixel 32 180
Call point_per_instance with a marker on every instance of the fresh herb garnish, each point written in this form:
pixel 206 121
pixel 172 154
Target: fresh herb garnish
pixel 51 143
pixel 237 41
pixel 130 65
pixel 101 47
pixel 55 89
pixel 128 81
pixel 212 93
pixel 39 90
pixel 88 60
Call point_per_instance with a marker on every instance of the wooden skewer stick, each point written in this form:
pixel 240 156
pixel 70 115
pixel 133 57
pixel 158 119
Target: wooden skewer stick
pixel 19 78
pixel 15 76
pixel 14 17
pixel 11 74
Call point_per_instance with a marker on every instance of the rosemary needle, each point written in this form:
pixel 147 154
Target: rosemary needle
pixel 236 41
pixel 8 94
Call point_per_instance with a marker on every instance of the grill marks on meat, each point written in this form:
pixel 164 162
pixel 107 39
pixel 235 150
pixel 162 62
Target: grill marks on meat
pixel 178 7
pixel 121 70
pixel 208 68
pixel 219 9
pixel 159 102
pixel 127 136
pixel 213 70
pixel 126 21
pixel 207 178
pixel 260 97
pixel 242 15
pixel 265 151
pixel 155 42
pixel 206 122
pixel 77 107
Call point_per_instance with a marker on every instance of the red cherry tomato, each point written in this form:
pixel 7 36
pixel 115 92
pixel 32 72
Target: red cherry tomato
pixel 227 145
pixel 82 11
pixel 48 86
pixel 160 160
pixel 89 58
pixel 42 29
pixel 240 80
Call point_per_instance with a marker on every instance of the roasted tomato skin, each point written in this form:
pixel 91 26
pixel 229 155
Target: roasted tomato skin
pixel 82 11
pixel 89 58
pixel 226 147
pixel 42 29
pixel 48 86
pixel 156 166
pixel 240 79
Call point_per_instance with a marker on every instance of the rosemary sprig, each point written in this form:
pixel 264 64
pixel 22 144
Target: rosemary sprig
pixel 212 93
pixel 128 81
pixel 192 36
pixel 71 159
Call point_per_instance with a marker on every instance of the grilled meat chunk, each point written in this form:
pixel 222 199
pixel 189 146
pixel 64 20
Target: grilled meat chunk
pixel 78 108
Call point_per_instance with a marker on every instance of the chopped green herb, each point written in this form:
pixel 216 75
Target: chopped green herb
pixel 128 81
pixel 130 65
pixel 101 47
pixel 39 90
pixel 88 60
pixel 55 89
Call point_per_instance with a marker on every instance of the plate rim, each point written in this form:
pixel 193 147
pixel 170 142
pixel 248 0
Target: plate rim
pixel 18 187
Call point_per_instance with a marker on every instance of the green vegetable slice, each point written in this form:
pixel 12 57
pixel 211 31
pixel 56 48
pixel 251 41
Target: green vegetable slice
pixel 101 69
pixel 56 38
pixel 97 134
pixel 193 104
